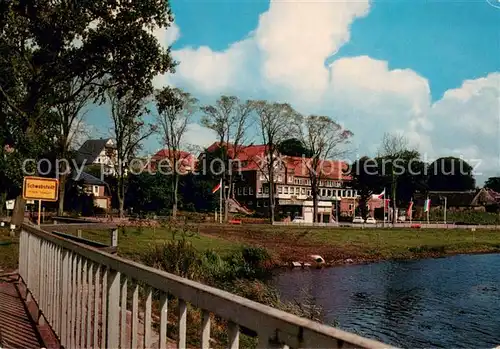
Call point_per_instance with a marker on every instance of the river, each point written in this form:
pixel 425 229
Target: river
pixel 440 303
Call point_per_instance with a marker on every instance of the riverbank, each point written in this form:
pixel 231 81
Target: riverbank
pixel 354 245
pixel 296 244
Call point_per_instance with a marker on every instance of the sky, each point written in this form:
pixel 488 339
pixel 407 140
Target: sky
pixel 427 69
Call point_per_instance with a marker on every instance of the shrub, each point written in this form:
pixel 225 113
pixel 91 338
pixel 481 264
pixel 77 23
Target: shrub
pixel 176 256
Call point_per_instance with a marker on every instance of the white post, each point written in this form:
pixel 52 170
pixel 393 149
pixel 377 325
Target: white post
pixel 445 202
pixel 114 237
pixel 428 208
pixel 383 203
pixel 113 309
pixel 220 201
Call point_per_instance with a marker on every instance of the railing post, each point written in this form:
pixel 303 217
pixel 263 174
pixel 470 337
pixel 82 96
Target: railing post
pixel 182 324
pixel 113 311
pixel 205 330
pixel 147 318
pixel 234 335
pixel 134 328
pixel 64 303
pixel 114 237
pixel 163 320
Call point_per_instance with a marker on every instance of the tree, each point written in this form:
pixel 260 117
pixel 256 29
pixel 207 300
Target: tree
pixel 129 130
pixel 326 140
pixel 175 109
pixel 294 147
pixel 366 179
pixel 393 147
pixel 46 43
pixel 149 193
pixel 70 127
pixel 277 122
pixel 451 174
pixel 230 119
pixel 493 183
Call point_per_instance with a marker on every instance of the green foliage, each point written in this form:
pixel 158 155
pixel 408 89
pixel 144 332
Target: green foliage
pixel 493 183
pixel 451 174
pixel 45 44
pixel 149 193
pixel 428 249
pixel 294 147
pixel 467 216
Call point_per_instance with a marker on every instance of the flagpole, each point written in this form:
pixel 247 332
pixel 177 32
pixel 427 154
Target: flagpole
pixel 411 210
pixel 383 203
pixel 220 201
pixel 427 207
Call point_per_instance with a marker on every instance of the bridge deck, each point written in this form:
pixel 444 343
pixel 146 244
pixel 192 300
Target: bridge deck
pixel 17 330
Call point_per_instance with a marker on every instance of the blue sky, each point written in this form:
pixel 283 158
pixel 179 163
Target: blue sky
pixel 430 70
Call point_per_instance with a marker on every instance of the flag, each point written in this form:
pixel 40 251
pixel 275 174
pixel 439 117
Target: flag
pixel 217 187
pixel 386 203
pixel 427 205
pixel 381 195
pixel 410 207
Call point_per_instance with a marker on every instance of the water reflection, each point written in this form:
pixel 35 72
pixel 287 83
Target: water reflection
pixel 447 302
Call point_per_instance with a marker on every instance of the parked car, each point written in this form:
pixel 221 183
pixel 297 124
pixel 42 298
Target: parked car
pixel 371 220
pixel 358 219
pixel 298 220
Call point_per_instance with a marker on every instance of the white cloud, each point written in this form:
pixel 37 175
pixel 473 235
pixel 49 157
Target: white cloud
pixel 198 136
pixel 296 37
pixel 466 122
pixel 166 37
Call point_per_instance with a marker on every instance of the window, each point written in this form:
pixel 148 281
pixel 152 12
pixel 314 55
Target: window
pixel 328 193
pixel 297 191
pixel 280 190
pixel 342 193
pixel 290 179
pixel 239 191
pixel 260 190
pixel 336 193
pixel 303 191
pixel 250 191
pixel 350 207
pixel 265 203
pixel 266 190
pixel 308 193
pixel 258 203
pixel 323 192
pixel 245 191
pixel 296 181
pixel 285 190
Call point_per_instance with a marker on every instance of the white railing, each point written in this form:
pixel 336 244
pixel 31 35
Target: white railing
pixel 83 294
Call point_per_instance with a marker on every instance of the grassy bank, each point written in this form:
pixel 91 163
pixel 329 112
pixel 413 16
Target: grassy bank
pixel 361 245
pixel 9 251
pixel 336 245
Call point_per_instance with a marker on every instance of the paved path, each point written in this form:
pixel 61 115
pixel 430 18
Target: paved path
pixel 16 328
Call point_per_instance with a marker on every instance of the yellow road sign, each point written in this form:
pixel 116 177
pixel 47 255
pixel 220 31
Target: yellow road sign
pixel 39 188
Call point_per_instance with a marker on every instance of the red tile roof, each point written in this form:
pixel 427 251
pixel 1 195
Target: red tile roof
pixel 186 161
pixel 330 169
pixel 252 158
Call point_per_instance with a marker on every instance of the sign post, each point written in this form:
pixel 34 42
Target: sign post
pixel 41 189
